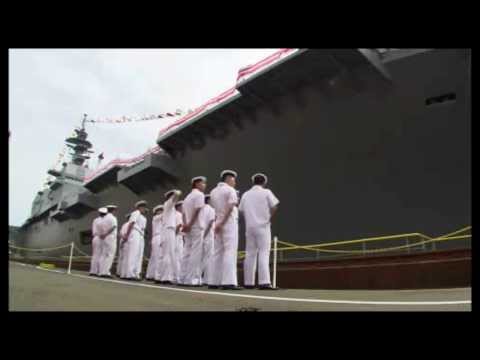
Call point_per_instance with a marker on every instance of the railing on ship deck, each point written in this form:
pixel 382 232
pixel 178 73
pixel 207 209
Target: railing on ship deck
pixel 382 245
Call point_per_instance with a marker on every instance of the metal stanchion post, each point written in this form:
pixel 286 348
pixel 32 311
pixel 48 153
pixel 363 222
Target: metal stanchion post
pixel 70 261
pixel 275 262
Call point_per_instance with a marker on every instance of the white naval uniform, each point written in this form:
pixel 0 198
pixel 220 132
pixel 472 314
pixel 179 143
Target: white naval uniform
pixel 179 248
pixel 109 244
pixel 256 204
pixel 226 242
pixel 121 252
pixel 155 252
pixel 192 259
pixel 96 247
pixel 207 215
pixel 166 268
pixel 133 247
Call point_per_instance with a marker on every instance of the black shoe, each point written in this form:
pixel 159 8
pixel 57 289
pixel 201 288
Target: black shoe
pixel 266 287
pixel 231 287
pixel 91 274
pixel 213 286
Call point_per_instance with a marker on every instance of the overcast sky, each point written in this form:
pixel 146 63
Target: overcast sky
pixel 50 90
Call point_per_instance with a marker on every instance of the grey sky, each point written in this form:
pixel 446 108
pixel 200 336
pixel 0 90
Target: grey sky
pixel 49 90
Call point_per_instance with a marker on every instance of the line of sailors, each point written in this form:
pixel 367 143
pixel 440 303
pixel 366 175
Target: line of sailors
pixel 194 241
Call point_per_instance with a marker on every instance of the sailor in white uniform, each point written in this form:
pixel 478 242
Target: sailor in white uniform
pixel 133 242
pixel 258 205
pixel 166 269
pixel 224 200
pixel 109 241
pixel 120 257
pixel 192 205
pixel 179 241
pixel 156 242
pixel 207 219
pixel 96 242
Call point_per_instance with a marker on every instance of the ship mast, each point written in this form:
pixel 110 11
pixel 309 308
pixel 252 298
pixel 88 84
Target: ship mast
pixel 79 144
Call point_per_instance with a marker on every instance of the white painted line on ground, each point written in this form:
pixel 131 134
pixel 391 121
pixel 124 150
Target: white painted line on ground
pixel 272 298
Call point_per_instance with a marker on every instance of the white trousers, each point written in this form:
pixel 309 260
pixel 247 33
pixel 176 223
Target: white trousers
pixel 109 247
pixel 119 259
pixel 131 251
pixel 154 255
pixel 192 274
pixel 225 256
pixel 179 256
pixel 258 244
pixel 96 253
pixel 167 266
pixel 139 266
pixel 207 257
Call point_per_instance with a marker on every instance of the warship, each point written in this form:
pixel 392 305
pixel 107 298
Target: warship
pixel 355 142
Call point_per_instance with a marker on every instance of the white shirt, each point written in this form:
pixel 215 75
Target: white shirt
pixel 195 200
pixel 207 214
pixel 179 220
pixel 123 230
pixel 169 213
pixel 96 229
pixel 157 223
pixel 140 222
pixel 256 204
pixel 108 222
pixel 221 198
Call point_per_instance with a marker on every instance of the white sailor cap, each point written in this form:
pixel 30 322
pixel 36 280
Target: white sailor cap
pixel 158 207
pixel 261 175
pixel 179 203
pixel 141 203
pixel 170 192
pixel 111 206
pixel 203 178
pixel 228 172
pixel 103 210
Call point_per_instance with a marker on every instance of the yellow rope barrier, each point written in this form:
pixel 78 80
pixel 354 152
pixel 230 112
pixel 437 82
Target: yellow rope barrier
pixel 44 249
pixel 443 238
pixel 315 247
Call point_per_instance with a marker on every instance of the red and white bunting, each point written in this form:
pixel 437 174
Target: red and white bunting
pixel 126 119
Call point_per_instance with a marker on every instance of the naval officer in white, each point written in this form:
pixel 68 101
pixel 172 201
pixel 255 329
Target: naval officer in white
pixel 133 240
pixel 192 205
pixel 155 251
pixel 224 200
pixel 258 205
pixel 96 242
pixel 109 241
pixel 166 268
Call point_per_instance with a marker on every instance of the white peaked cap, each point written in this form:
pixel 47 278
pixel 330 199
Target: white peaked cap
pixel 157 208
pixel 203 178
pixel 141 202
pixel 260 174
pixel 230 172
